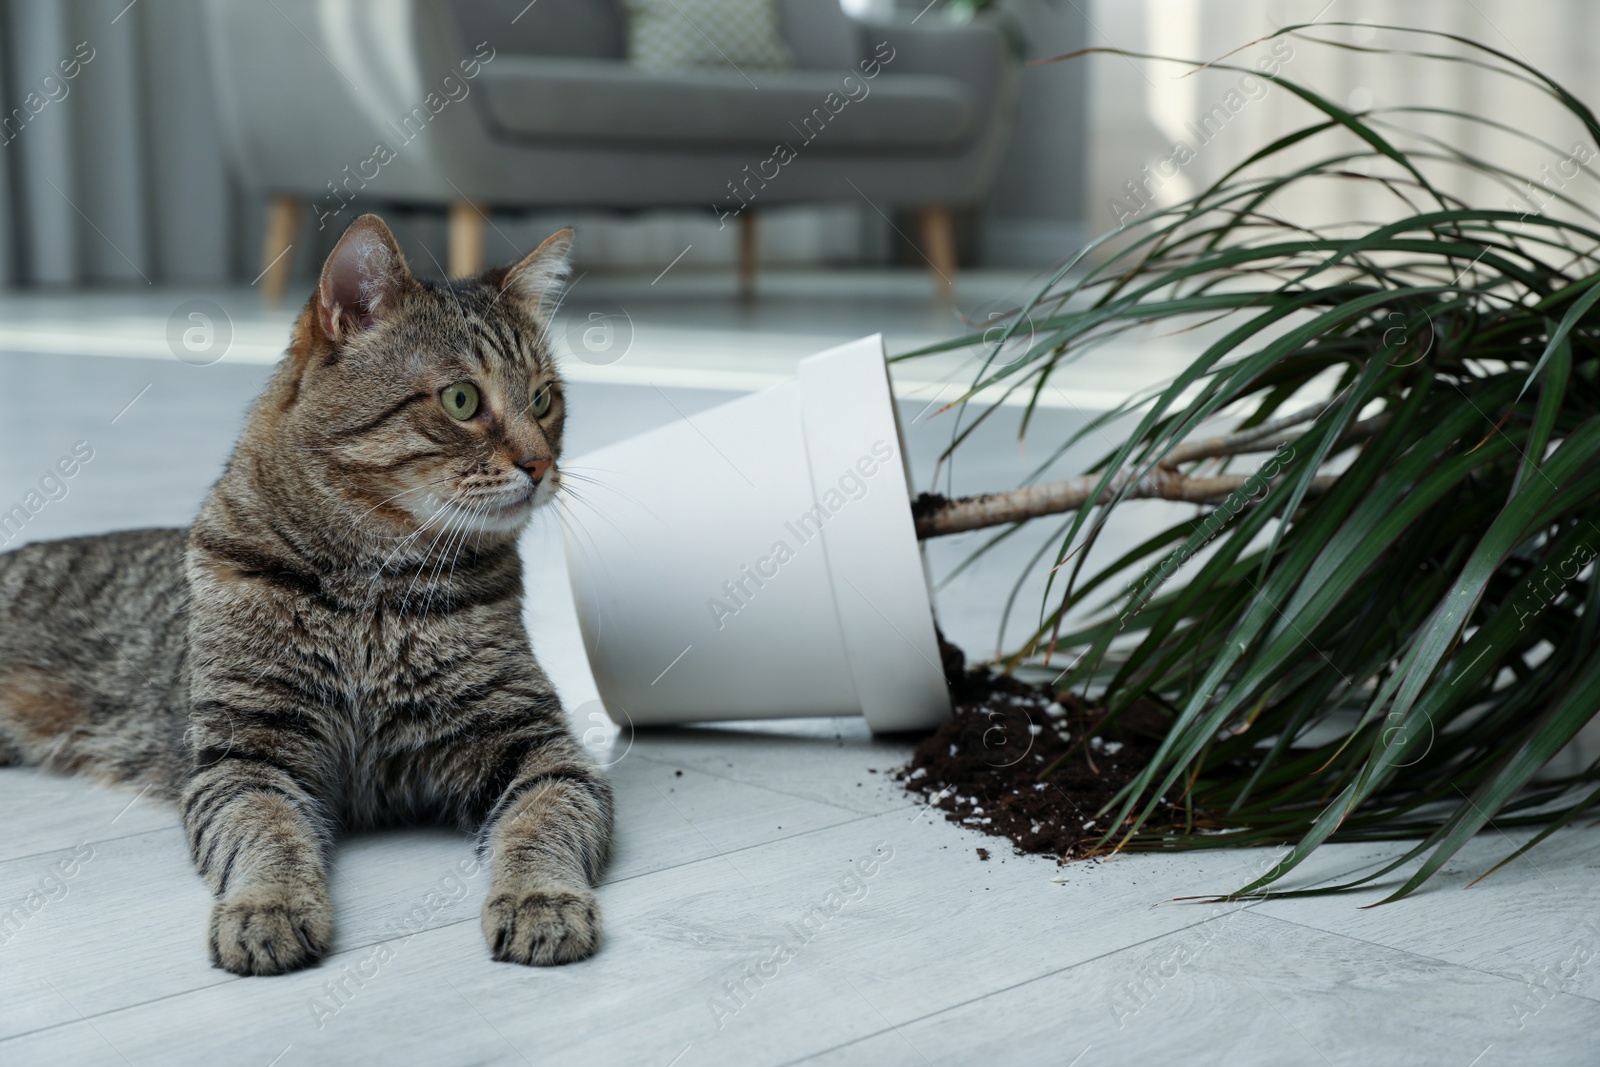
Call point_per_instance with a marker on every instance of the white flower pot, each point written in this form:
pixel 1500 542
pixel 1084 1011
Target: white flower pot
pixel 758 560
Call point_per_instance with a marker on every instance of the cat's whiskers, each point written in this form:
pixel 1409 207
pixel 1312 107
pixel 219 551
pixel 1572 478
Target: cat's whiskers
pixel 377 583
pixel 413 535
pixel 593 508
pixel 568 518
pixel 471 532
pixel 583 538
pixel 501 513
pixel 468 531
pixel 415 489
pixel 571 521
pixel 579 469
pixel 452 552
pixel 427 556
pixel 462 518
pixel 567 514
pixel 601 483
pixel 455 536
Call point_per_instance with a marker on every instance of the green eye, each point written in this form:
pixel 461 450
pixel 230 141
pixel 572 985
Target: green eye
pixel 541 401
pixel 460 400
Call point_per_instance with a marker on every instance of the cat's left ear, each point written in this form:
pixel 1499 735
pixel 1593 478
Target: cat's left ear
pixel 361 280
pixel 536 280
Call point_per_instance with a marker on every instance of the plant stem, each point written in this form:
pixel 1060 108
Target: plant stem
pixel 1163 482
pixel 1052 498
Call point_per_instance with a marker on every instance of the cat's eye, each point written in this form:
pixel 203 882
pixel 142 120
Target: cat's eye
pixel 541 402
pixel 460 400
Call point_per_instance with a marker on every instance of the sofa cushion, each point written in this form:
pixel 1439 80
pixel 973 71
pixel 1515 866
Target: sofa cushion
pixel 581 29
pixel 673 35
pixel 821 35
pixel 595 101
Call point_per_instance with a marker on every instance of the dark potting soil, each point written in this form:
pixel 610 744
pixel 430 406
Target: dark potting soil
pixel 981 768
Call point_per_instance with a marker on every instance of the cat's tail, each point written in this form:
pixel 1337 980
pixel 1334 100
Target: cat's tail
pixel 91 650
pixel 11 751
pixel 46 722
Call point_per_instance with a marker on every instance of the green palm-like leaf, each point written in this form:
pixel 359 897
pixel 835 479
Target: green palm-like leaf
pixel 1432 618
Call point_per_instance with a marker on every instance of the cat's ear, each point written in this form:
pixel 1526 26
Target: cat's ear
pixel 537 279
pixel 361 280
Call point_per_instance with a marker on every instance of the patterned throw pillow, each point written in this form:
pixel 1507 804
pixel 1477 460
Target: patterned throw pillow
pixel 668 35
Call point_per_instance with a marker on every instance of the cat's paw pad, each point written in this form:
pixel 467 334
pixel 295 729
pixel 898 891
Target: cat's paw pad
pixel 542 926
pixel 270 930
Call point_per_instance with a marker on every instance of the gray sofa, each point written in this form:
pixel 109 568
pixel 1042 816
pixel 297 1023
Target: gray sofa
pixel 501 104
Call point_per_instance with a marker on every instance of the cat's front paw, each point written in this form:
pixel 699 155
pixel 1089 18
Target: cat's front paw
pixel 542 925
pixel 271 929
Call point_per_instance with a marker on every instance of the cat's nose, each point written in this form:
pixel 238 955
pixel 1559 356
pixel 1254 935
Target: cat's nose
pixel 535 468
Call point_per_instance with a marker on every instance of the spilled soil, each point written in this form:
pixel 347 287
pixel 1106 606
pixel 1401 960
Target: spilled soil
pixel 981 768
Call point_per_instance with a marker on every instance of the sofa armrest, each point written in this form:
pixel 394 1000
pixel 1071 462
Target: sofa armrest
pixel 977 54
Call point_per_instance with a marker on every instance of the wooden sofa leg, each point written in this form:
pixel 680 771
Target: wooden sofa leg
pixel 468 225
pixel 283 226
pixel 749 254
pixel 939 247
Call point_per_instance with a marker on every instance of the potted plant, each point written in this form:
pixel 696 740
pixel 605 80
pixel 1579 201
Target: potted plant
pixel 1387 620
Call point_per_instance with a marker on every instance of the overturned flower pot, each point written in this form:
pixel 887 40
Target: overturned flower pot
pixel 759 560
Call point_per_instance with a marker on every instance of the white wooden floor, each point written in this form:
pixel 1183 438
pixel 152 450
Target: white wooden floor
pixel 735 934
pixel 735 930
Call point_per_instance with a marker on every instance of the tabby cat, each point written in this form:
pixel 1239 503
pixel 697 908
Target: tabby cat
pixel 337 642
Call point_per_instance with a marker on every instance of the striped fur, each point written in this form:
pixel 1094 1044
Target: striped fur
pixel 337 642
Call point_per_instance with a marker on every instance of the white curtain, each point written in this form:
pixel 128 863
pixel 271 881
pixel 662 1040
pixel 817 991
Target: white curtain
pixel 112 174
pixel 1141 112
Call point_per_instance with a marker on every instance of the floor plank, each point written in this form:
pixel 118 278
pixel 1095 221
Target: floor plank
pixel 385 884
pixel 1243 990
pixel 830 761
pixel 930 927
pixel 47 812
pixel 1536 921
